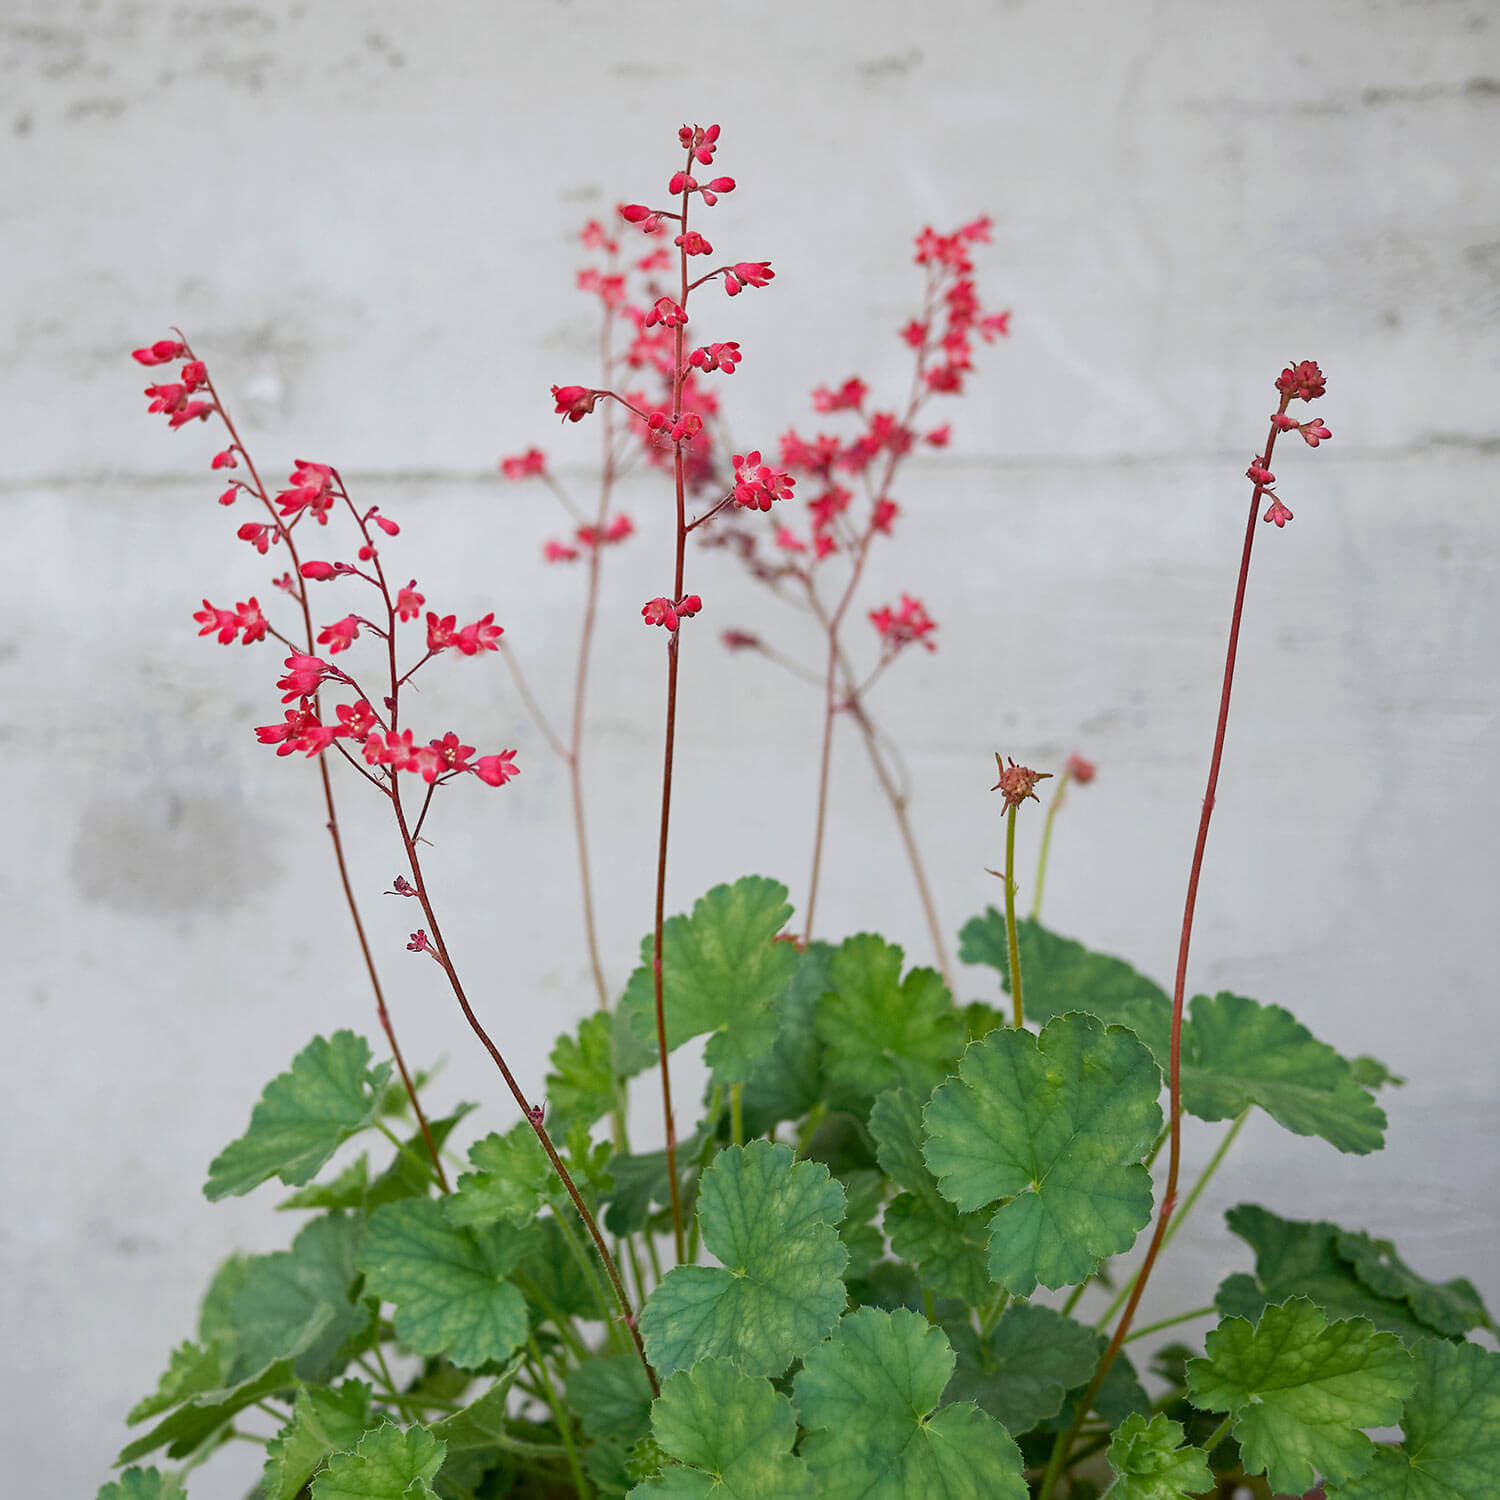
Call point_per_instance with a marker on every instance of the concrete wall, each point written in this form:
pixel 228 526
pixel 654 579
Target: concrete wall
pixel 363 215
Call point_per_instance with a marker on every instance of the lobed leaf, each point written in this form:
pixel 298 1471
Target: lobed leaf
pixel 1450 1449
pixel 1153 1463
pixel 789 1081
pixel 511 1180
pixel 1300 1389
pixel 324 1421
pixel 869 1399
pixel 734 1434
pixel 143 1484
pixel 722 969
pixel 778 1290
pixel 305 1114
pixel 448 1285
pixel 388 1464
pixel 1056 1126
pixel 882 1031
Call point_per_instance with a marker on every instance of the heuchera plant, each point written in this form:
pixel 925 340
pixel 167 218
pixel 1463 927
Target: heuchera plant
pixel 861 1272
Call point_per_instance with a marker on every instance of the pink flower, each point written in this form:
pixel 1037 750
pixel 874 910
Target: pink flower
pixel 849 397
pixel 619 528
pixel 553 551
pixel 383 522
pixel 701 142
pixel 689 605
pixel 420 942
pixel 660 611
pixel 444 756
pixel 340 635
pixel 1259 473
pixel 300 731
pixel 319 572
pixel 682 182
pixel 1017 783
pixel 1281 422
pixel 757 486
pixel 939 436
pixel 231 494
pixel 716 186
pixel 162 352
pixel 309 488
pixel 747 273
pixel 1080 770
pixel 409 602
pixel 496 770
pixel 693 243
pixel 915 334
pixel 638 213
pixel 304 673
pixel 665 312
pixel 716 357
pixel 574 402
pixel 900 627
pixel 740 640
pixel 594 236
pixel 356 720
pixel 225 621
pixel 1303 382
pixel 995 326
pixel 251 620
pixel 884 514
pixel 440 631
pixel 610 289
pixel 259 535
pixel 393 750
pixel 789 541
pixel 480 636
pixel 225 460
pixel 1278 513
pixel 532 461
pixel 1314 432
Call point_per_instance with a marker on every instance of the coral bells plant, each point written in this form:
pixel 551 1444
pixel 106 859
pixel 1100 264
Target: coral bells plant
pixel 898 1246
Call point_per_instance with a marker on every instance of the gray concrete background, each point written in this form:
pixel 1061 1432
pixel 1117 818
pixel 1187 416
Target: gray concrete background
pixel 363 215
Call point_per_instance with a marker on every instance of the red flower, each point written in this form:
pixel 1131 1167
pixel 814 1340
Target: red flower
pixel 849 396
pixel 1303 382
pixel 1259 473
pixel 939 436
pixel 304 673
pixel 251 620
pixel 162 352
pixel 225 621
pixel 660 611
pixel 319 572
pixel 900 627
pixel 693 243
pixel 532 461
pixel 884 514
pixel 747 273
pixel 619 528
pixel 559 552
pixel 480 636
pixel 1278 513
pixel 716 357
pixel 225 460
pixel 420 942
pixel 443 756
pixel 1017 783
pixel 340 635
pixel 309 488
pixel 496 770
pixel 440 631
pixel 1081 770
pixel 666 312
pixel 757 486
pixel 574 402
pixel 393 750
pixel 409 602
pixel 300 731
pixel 1314 432
pixel 356 720
pixel 789 541
pixel 740 640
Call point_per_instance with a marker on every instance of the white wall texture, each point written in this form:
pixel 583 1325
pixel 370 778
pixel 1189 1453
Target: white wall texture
pixel 363 216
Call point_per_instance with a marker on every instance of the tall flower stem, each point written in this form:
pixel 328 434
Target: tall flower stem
pixel 381 1012
pixel 1179 988
pixel 1053 805
pixel 1013 945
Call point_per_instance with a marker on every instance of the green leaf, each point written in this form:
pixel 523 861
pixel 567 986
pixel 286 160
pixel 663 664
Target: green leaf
pixel 282 1296
pixel 388 1464
pixel 865 1193
pixel 733 1432
pixel 1153 1464
pixel 581 1085
pixel 1122 1395
pixel 882 1031
pixel 1371 1073
pixel 201 1415
pixel 642 1182
pixel 1348 1275
pixel 1056 1126
pixel 191 1369
pixel 409 1175
pixel 1235 1052
pixel 769 1220
pixel 721 971
pixel 479 1428
pixel 869 1400
pixel 509 1184
pixel 143 1484
pixel 611 1397
pixel 347 1190
pixel 448 1285
pixel 950 1249
pixel 1300 1388
pixel 1020 1374
pixel 303 1117
pixel 324 1421
pixel 1451 1444
pixel 549 1273
pixel 788 1082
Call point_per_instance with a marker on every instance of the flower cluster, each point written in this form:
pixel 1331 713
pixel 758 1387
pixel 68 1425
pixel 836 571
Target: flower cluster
pixel 177 400
pixel 1017 783
pixel 228 623
pixel 661 611
pixel 898 628
pixel 589 539
pixel 1299 382
pixel 758 486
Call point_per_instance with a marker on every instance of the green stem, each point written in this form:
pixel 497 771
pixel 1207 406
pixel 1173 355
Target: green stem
pixel 736 1114
pixel 564 1427
pixel 928 1310
pixel 1182 1213
pixel 815 1117
pixel 1041 863
pixel 580 1254
pixel 425 1166
pixel 385 1369
pixel 1172 1322
pixel 1218 1435
pixel 1010 917
pixel 651 1253
pixel 991 1314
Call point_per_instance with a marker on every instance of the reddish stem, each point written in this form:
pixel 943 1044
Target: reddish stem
pixel 1179 989
pixel 381 1012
